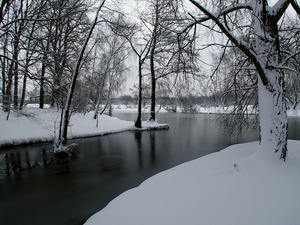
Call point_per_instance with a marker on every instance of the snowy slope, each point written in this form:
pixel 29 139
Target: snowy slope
pixel 231 187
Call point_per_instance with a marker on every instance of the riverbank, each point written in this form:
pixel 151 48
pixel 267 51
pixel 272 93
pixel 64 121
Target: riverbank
pixel 34 125
pixel 234 186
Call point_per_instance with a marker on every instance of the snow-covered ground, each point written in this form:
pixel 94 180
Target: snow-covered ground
pixel 232 187
pixel 39 125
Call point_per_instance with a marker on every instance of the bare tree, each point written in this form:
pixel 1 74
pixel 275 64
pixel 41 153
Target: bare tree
pixel 158 19
pixel 112 66
pixel 141 48
pixel 61 140
pixel 168 51
pixel 36 39
pixel 14 33
pixel 256 34
pixel 66 34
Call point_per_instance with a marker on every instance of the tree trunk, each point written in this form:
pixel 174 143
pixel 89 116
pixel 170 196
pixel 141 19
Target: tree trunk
pixel 86 108
pixel 3 77
pixel 273 105
pixel 61 141
pixel 138 122
pixel 42 92
pixel 7 96
pixel 42 79
pixel 16 86
pixel 273 115
pixel 107 102
pixel 153 84
pixel 22 101
pixel 101 92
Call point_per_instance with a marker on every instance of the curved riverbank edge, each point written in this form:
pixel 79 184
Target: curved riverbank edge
pixel 41 125
pixel 16 143
pixel 237 185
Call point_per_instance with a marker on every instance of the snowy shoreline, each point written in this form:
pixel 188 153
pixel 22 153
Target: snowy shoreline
pixel 235 186
pixel 34 125
pixel 39 125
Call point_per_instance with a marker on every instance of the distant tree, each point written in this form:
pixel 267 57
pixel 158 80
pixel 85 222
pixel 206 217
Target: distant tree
pixel 152 38
pixel 30 43
pixel 112 67
pixel 13 30
pixel 167 55
pixel 140 46
pixel 125 99
pixel 252 26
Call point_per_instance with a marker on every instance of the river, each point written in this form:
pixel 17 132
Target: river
pixel 37 188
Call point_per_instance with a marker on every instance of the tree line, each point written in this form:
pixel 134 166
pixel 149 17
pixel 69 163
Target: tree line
pixel 41 40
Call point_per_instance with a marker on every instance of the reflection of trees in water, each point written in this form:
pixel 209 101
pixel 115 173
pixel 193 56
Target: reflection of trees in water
pixel 138 139
pixel 152 146
pixel 16 162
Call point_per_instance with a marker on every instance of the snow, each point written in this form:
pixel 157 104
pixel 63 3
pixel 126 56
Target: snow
pixel 39 125
pixel 234 186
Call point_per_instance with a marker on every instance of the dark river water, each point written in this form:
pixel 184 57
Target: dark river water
pixel 36 188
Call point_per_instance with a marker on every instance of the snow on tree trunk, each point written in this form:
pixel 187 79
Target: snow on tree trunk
pixel 60 141
pixel 260 42
pixel 273 114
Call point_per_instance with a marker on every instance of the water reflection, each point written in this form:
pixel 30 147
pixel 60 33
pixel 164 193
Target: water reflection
pixel 15 162
pixel 138 139
pixel 152 146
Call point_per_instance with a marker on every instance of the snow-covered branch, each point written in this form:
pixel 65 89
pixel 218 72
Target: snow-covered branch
pixel 233 38
pixel 225 11
pixel 279 8
pixel 287 68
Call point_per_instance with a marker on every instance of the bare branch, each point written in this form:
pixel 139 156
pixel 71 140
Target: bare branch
pixel 233 38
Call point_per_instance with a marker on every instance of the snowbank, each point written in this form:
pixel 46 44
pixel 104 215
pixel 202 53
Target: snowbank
pixel 39 125
pixel 231 187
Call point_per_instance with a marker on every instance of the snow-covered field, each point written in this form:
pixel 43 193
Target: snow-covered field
pixel 235 186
